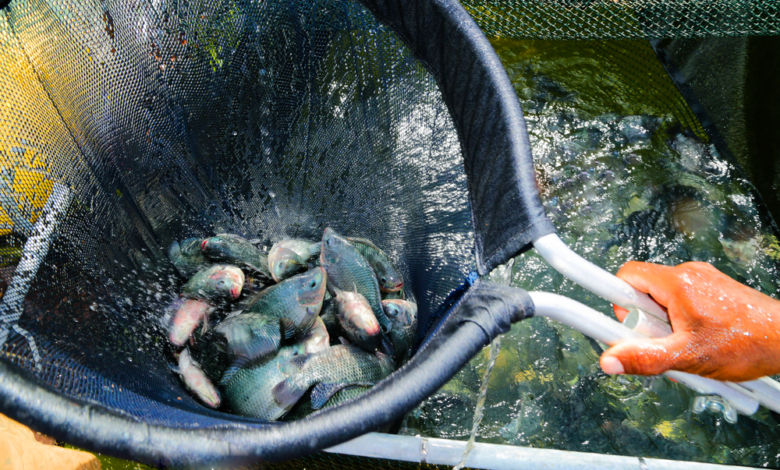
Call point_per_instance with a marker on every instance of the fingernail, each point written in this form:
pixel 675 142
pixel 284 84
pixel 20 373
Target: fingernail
pixel 611 365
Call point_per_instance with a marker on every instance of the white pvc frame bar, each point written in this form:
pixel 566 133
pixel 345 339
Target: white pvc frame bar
pixel 446 452
pixel 744 396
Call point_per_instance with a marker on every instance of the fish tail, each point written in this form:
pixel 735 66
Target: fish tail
pixel 286 394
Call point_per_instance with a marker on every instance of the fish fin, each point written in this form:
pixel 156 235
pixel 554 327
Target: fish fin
pixel 236 366
pixel 286 395
pixel 386 347
pixel 344 341
pixel 322 392
pixel 288 326
pixel 251 337
pixel 205 327
pixel 363 241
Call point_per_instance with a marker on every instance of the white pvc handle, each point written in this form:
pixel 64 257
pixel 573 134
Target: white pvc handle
pixel 600 327
pixel 766 390
pixel 597 280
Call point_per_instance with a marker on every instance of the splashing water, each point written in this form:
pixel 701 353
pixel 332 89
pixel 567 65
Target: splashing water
pixel 502 275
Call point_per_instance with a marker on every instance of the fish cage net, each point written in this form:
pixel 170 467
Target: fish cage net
pixel 270 119
pixel 624 19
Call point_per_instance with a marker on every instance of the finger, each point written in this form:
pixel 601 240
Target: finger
pixel 645 356
pixel 620 312
pixel 655 279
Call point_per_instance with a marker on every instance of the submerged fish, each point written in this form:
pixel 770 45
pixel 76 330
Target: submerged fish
pixel 187 257
pixel 283 311
pixel 348 270
pixel 329 372
pixel 357 320
pixel 215 283
pixel 189 313
pixel 196 381
pixel 249 391
pixel 236 250
pixel 289 257
pixel 403 326
pixel 389 277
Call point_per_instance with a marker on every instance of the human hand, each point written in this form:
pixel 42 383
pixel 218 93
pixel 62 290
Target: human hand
pixel 722 329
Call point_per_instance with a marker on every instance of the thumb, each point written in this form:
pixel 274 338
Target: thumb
pixel 651 356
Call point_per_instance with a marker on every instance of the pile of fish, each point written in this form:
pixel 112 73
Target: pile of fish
pixel 284 334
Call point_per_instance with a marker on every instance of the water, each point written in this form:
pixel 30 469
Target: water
pixel 501 275
pixel 625 174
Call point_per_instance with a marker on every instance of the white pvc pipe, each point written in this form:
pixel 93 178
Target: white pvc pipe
pixel 595 279
pixel 447 452
pixel 766 390
pixel 600 327
pixel 606 285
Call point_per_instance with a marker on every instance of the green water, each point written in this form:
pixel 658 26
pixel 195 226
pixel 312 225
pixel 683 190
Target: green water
pixel 625 172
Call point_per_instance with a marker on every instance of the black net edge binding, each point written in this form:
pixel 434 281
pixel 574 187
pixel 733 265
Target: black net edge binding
pixel 485 311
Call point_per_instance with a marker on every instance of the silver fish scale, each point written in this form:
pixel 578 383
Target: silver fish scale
pixel 341 364
pixel 249 391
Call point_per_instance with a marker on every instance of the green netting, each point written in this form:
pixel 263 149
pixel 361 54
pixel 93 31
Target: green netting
pixel 625 19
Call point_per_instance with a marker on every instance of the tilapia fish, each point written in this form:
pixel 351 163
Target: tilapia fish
pixel 237 250
pixel 348 270
pixel 283 311
pixel 196 381
pixel 289 257
pixel 357 320
pixel 389 277
pixel 249 391
pixel 215 283
pixel 403 326
pixel 188 314
pixel 187 257
pixel 329 372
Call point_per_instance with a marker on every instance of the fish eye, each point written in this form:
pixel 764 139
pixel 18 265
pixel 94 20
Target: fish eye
pixel 383 279
pixel 313 284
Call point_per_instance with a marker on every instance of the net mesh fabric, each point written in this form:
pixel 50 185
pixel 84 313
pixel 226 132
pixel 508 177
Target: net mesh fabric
pixel 172 120
pixel 624 19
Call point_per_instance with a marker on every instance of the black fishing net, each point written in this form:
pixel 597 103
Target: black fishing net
pixel 152 122
pixel 266 120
